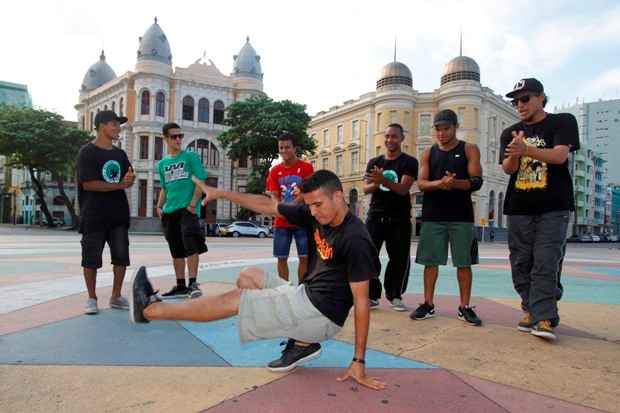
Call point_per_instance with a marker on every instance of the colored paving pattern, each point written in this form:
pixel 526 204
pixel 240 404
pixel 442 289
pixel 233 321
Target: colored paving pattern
pixel 54 358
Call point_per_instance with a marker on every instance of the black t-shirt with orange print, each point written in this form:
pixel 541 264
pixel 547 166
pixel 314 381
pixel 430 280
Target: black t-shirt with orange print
pixel 336 256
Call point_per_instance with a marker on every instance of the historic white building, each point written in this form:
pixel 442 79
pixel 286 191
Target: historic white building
pixel 153 94
pixel 349 135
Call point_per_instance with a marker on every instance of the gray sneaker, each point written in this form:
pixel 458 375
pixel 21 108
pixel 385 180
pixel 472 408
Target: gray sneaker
pixel 91 306
pixel 373 304
pixel 398 305
pixel 120 303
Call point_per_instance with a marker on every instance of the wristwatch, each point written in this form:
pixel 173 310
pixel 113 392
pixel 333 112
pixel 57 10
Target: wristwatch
pixel 361 361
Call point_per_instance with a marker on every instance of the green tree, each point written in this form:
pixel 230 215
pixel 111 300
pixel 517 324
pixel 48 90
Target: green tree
pixel 255 124
pixel 41 142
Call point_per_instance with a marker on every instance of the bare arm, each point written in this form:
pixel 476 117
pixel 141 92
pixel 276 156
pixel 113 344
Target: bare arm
pixel 402 187
pixel 357 370
pixel 195 198
pixel 369 187
pixel 257 203
pixel 518 147
pixel 473 167
pixel 102 186
pixel 161 199
pixel 423 178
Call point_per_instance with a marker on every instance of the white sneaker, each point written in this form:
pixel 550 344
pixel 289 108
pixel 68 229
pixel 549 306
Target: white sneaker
pixel 120 303
pixel 398 305
pixel 91 306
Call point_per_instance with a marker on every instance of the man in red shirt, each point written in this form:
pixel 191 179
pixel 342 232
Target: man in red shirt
pixel 283 184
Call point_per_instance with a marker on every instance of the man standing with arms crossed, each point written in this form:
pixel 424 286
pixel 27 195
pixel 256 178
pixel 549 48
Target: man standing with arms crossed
pixel 389 178
pixel 449 173
pixel 539 198
pixel 104 172
pixel 177 207
pixel 283 184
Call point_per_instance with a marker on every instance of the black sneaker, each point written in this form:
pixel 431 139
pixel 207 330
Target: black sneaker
pixel 193 290
pixel 423 312
pixel 142 295
pixel 293 355
pixel 468 315
pixel 176 291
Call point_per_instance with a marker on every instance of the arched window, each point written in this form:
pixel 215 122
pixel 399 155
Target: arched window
pixel 207 151
pixel 105 107
pixel 92 121
pixel 353 201
pixel 491 208
pixel 188 108
pixel 113 106
pixel 145 103
pixel 500 210
pixel 218 112
pixel 203 110
pixel 160 104
pixel 120 107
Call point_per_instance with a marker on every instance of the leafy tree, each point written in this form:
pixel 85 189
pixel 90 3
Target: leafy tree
pixel 41 142
pixel 255 124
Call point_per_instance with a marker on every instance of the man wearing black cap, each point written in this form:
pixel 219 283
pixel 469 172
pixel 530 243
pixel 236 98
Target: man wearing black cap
pixel 534 152
pixel 104 172
pixel 450 171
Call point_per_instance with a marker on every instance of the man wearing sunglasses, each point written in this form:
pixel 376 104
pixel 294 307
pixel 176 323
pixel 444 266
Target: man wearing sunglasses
pixel 534 152
pixel 178 206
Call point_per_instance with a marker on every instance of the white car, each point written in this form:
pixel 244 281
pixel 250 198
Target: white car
pixel 239 228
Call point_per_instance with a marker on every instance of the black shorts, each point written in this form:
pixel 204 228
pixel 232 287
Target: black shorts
pixel 93 242
pixel 183 233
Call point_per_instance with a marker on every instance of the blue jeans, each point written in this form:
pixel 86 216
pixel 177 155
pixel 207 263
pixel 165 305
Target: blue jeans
pixel 282 238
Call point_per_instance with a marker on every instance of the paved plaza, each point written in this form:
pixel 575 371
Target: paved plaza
pixel 54 358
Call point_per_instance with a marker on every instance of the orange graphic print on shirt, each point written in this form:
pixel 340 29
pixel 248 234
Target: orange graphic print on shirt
pixel 325 250
pixel 532 173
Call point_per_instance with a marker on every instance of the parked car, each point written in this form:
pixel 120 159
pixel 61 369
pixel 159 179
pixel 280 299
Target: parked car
pixel 585 238
pixel 244 228
pixel 596 238
pixel 612 238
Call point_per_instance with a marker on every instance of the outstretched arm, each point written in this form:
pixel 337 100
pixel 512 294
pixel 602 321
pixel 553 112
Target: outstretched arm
pixel 357 369
pixel 257 203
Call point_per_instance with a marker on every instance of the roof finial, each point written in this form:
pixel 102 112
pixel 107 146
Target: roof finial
pixel 394 47
pixel 155 19
pixel 247 39
pixel 461 43
pixel 102 55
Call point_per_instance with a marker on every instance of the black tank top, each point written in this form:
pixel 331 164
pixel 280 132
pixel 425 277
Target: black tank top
pixel 454 205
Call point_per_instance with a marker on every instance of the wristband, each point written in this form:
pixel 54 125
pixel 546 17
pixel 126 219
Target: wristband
pixel 361 361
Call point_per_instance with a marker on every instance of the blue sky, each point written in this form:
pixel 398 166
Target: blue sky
pixel 322 53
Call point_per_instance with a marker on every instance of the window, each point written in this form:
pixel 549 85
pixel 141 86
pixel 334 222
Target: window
pixel 218 112
pixel 144 147
pixel 392 116
pixel 379 122
pixel 313 164
pixel 325 163
pixel 325 138
pixel 425 125
pixel 160 104
pixel 113 106
pixel 476 118
pixel 92 120
pixel 243 162
pixel 203 110
pixel 159 148
pixel 120 107
pixel 355 130
pixel 355 161
pixel 105 107
pixel 188 108
pixel 461 116
pixel 377 151
pixel 340 135
pixel 145 103
pixel 338 165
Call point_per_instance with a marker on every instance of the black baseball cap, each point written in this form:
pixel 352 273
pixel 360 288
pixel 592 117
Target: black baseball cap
pixel 445 117
pixel 106 116
pixel 526 85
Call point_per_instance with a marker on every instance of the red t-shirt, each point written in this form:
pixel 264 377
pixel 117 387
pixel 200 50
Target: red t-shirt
pixel 281 182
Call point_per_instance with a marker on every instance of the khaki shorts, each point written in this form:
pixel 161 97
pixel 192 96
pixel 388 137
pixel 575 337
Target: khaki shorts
pixel 282 310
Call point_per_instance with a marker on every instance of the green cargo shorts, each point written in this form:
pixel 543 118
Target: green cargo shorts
pixel 434 239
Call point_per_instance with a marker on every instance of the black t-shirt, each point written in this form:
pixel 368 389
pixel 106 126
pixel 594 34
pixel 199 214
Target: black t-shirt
pixel 538 187
pixel 336 256
pixel 454 205
pixel 385 202
pixel 100 210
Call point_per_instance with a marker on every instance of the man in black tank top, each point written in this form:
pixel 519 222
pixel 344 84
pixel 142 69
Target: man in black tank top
pixel 389 178
pixel 450 171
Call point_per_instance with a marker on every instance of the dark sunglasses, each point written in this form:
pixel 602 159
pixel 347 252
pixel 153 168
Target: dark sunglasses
pixel 523 99
pixel 177 136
